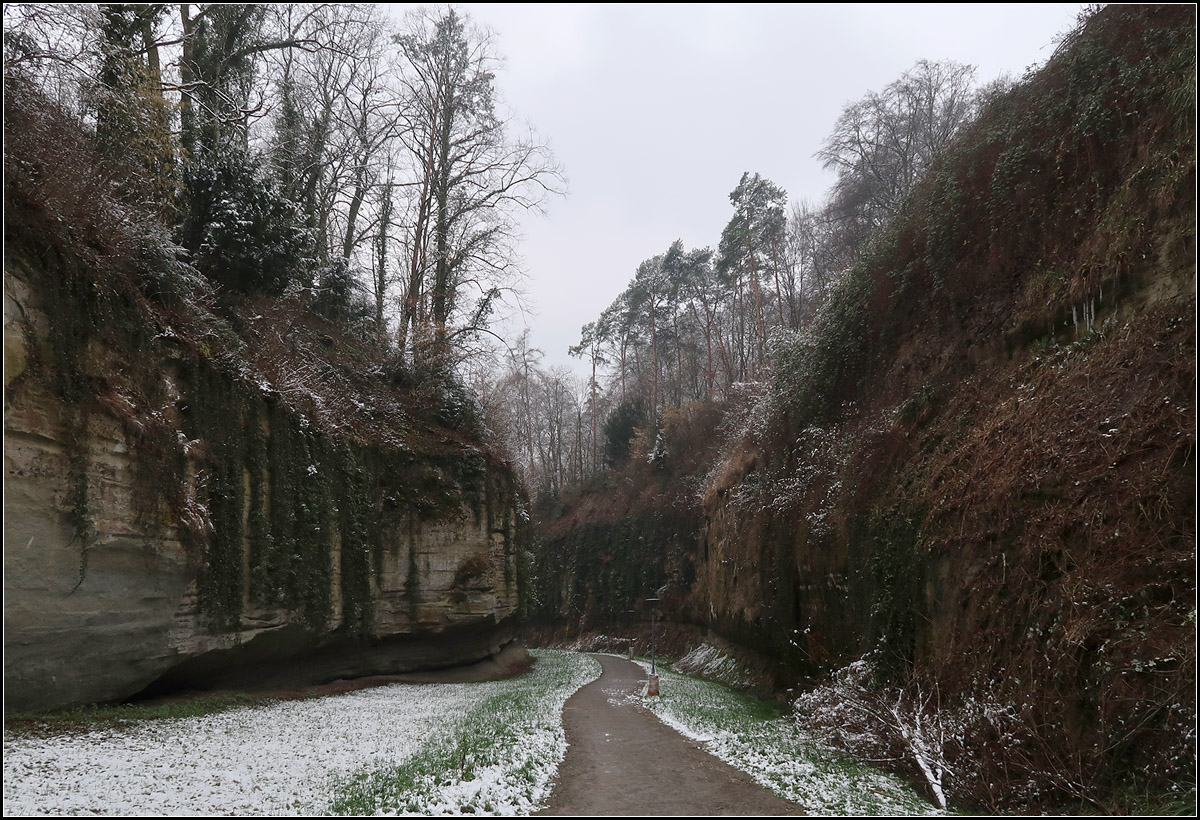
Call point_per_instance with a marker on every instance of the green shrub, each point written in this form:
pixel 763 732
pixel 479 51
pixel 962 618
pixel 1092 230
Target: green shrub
pixel 244 236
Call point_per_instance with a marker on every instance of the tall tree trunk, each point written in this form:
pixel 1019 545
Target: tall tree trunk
pixel 678 359
pixel 778 288
pixel 360 184
pixel 417 256
pixel 146 16
pixel 741 331
pixel 653 363
pixel 356 201
pixel 758 302
pixel 187 111
pixel 385 221
pixel 441 296
pixel 624 344
pixel 595 450
pixel 578 444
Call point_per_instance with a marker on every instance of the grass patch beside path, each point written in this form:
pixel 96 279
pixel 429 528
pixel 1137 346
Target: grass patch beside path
pixel 497 757
pixel 754 736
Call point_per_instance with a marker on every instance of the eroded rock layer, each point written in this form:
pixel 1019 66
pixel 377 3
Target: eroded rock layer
pixel 199 528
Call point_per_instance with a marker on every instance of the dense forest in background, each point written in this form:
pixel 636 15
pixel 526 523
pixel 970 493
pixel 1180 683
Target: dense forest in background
pixel 703 326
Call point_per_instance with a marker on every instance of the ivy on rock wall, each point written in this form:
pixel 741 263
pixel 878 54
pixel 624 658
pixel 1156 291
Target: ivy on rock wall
pixel 289 504
pixel 268 504
pixel 214 416
pixel 598 573
pixel 360 540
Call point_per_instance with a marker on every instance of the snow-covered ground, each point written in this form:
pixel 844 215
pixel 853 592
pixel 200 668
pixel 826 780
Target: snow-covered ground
pixel 776 752
pixel 380 750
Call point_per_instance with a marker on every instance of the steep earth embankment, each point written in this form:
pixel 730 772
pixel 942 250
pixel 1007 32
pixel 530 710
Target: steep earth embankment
pixel 979 469
pixel 236 495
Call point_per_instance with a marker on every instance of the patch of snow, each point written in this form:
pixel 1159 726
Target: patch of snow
pixel 273 759
pixel 288 758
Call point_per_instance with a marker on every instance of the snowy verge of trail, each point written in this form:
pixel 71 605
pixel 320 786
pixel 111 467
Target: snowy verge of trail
pixel 752 736
pixel 498 756
pixel 309 756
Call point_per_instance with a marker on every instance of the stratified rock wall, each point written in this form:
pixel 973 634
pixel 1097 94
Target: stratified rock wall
pixel 102 600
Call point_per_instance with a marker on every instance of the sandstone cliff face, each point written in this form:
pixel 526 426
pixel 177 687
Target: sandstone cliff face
pixel 110 588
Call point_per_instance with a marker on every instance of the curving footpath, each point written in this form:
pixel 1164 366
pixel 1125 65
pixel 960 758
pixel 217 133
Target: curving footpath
pixel 621 760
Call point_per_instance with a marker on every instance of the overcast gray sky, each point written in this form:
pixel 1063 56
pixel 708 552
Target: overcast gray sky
pixel 655 111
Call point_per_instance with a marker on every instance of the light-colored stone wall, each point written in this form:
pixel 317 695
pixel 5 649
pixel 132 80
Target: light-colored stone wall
pixel 102 620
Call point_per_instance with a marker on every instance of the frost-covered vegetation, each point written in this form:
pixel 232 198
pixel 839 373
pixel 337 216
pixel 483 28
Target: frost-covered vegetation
pixel 495 755
pixel 401 749
pixel 757 738
pixel 710 663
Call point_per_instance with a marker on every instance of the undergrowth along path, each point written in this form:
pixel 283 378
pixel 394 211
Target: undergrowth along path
pixel 774 749
pixel 621 760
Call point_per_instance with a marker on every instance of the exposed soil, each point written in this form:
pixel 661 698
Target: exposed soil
pixel 621 760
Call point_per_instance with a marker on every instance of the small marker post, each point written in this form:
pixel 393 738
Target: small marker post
pixel 652 682
pixel 629 641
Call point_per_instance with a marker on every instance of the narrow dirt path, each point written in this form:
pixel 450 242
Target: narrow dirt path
pixel 622 760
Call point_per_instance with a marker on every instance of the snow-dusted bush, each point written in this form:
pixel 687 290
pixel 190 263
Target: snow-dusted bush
pixel 984 749
pixel 900 725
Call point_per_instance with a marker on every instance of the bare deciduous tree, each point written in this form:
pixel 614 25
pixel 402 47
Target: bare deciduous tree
pixel 882 143
pixel 470 177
